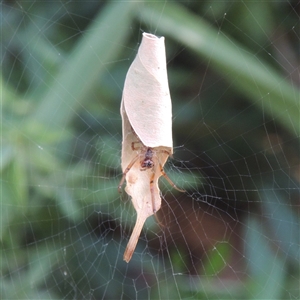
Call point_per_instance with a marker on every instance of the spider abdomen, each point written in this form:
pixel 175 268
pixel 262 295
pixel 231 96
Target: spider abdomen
pixel 147 164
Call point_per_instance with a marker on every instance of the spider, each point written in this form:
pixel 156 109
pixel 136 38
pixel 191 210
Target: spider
pixel 147 156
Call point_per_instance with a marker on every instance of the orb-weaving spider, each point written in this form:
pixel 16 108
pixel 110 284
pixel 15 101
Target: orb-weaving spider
pixel 147 156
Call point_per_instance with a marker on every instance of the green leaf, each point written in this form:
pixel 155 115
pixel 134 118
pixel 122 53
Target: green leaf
pixel 217 259
pixel 86 64
pixel 284 224
pixel 14 197
pixel 258 81
pixel 266 269
pixel 28 281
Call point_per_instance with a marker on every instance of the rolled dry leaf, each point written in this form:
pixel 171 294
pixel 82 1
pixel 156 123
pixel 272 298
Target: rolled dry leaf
pixel 146 112
pixel 146 94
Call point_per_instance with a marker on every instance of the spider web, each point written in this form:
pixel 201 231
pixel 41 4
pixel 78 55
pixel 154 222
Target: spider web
pixel 233 71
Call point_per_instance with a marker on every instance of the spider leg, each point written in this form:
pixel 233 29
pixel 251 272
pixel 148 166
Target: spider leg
pixel 165 151
pixel 126 171
pixel 153 199
pixel 168 179
pixel 152 191
pixel 136 148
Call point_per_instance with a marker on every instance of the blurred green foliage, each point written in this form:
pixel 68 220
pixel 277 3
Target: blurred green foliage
pixel 231 80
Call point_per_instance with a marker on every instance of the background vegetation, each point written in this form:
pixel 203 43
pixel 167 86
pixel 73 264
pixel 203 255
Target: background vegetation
pixel 234 81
